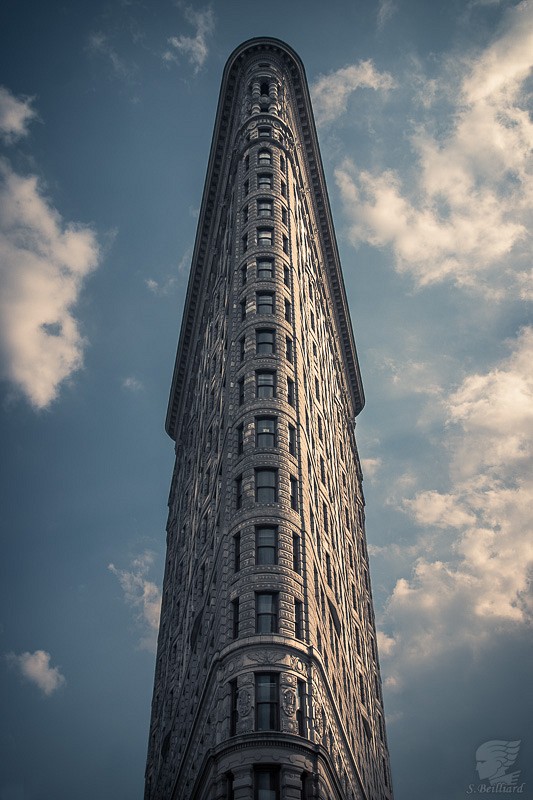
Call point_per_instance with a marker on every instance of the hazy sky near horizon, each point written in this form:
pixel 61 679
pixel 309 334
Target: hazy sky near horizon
pixel 424 120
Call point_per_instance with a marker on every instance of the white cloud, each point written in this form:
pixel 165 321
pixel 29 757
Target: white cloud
pixel 370 467
pixel 43 264
pixel 386 11
pixel 132 384
pixel 465 214
pixel 36 668
pixel 143 596
pixel 195 47
pixel 15 115
pixel 481 585
pixel 331 92
pixel 163 288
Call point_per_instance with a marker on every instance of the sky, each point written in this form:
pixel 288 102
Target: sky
pixel 424 120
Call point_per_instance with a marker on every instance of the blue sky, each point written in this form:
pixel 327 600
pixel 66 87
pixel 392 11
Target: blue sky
pixel 106 117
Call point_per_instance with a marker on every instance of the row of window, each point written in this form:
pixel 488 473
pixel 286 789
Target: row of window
pixel 266 488
pixel 265 208
pixel 266 387
pixel 266 781
pixel 265 344
pixel 265 303
pixel 265 183
pixel 264 238
pixel 265 270
pixel 267 717
pixel 264 156
pixel 266 548
pixel 267 615
pixel 266 435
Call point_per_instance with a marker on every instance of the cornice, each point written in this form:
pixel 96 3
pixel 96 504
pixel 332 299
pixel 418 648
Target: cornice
pixel 217 164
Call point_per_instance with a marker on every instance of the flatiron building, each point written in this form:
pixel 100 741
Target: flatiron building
pixel 267 683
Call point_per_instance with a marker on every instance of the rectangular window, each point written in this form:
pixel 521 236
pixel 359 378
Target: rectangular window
pixel 286 276
pixel 265 432
pixel 288 310
pixel 264 158
pixel 264 302
pixel 298 619
pixel 264 182
pixel 283 189
pixel 294 493
pixel 244 275
pixel 237 551
pixel 296 553
pixel 264 208
pixel 245 243
pixel 240 386
pixel 245 215
pixel 267 702
pixel 328 568
pixel 288 348
pixel 240 440
pixel 319 424
pixel 285 244
pixel 235 618
pixel 265 269
pixel 266 485
pixel 246 163
pixel 243 309
pixel 284 215
pixel 290 391
pixel 282 163
pixel 292 440
pixel 266 783
pixel 317 388
pixel 265 237
pixel 266 612
pixel 300 713
pixel 234 714
pixel 265 385
pixel 264 133
pixel 266 545
pixel 265 341
pixel 242 345
pixel 246 187
pixel 238 492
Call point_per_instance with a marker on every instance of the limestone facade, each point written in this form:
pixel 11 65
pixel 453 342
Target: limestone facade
pixel 267 683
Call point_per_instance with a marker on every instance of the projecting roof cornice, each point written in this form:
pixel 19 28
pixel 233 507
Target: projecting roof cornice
pixel 208 211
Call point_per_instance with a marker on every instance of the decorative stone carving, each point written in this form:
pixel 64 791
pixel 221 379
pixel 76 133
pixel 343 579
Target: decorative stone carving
pixel 244 703
pixel 288 703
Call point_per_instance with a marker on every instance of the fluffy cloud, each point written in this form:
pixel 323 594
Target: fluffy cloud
pixel 15 115
pixel 43 264
pixel 195 47
pixel 143 596
pixel 331 92
pixel 36 668
pixel 465 213
pixel 481 585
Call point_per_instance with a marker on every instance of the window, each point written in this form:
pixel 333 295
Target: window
pixel 282 163
pixel 288 348
pixel 283 188
pixel 265 342
pixel 264 158
pixel 292 440
pixel 265 432
pixel 265 269
pixel 264 89
pixel 288 311
pixel 266 612
pixel 245 215
pixel 317 388
pixel 319 424
pixel 264 182
pixel 246 187
pixel 284 215
pixel 242 348
pixel 246 163
pixel 286 276
pixel 264 208
pixel 266 545
pixel 328 568
pixel 285 244
pixel 264 302
pixel 264 132
pixel 243 309
pixel 266 485
pixel 266 783
pixel 300 711
pixel 237 551
pixel 265 385
pixel 244 271
pixel 234 713
pixel 265 237
pixel 298 619
pixel 294 494
pixel 245 243
pixel 235 618
pixel 240 440
pixel 290 391
pixel 296 553
pixel 240 386
pixel 238 492
pixel 230 790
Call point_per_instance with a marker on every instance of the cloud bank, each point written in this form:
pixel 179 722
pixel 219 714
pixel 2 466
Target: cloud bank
pixel 43 265
pixel 143 596
pixel 330 93
pixel 35 667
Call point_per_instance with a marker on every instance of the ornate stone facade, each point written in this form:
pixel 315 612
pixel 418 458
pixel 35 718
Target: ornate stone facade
pixel 267 680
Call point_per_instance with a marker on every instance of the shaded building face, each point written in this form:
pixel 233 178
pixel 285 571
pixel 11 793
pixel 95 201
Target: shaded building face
pixel 267 680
